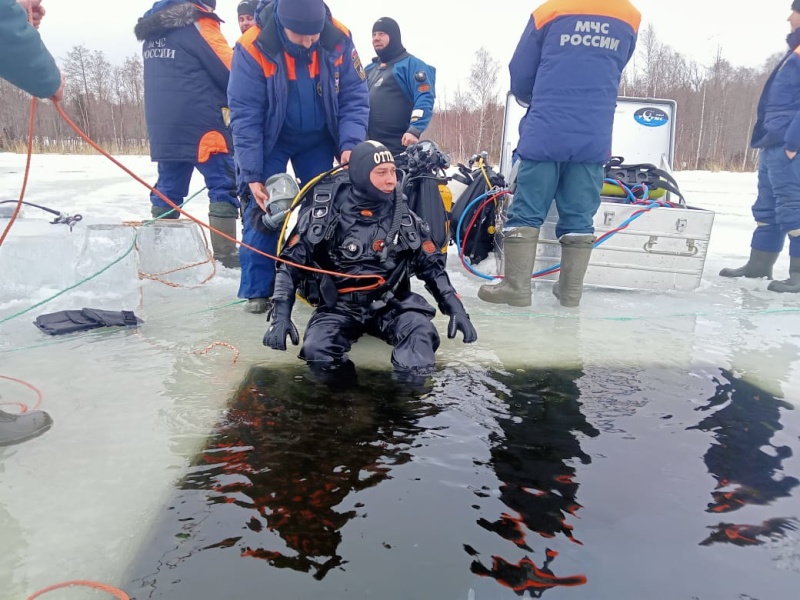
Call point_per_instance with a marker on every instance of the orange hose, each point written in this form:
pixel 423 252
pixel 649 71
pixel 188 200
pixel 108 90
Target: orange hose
pixel 25 177
pixel 119 594
pixel 24 407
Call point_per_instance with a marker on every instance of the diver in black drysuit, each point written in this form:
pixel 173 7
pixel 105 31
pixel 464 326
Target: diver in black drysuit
pixel 368 230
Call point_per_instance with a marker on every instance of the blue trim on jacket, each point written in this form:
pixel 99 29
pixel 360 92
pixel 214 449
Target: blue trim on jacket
pixel 404 72
pixel 258 102
pixel 572 87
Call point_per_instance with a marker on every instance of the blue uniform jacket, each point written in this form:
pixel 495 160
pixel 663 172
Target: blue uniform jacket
pixel 24 60
pixel 258 90
pixel 418 80
pixel 568 66
pixel 778 117
pixel 186 68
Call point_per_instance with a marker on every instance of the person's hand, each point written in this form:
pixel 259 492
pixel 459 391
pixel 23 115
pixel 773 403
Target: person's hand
pixel 35 11
pixel 275 337
pixel 408 139
pixel 790 155
pixel 459 321
pixel 260 194
pixel 59 95
pixel 345 158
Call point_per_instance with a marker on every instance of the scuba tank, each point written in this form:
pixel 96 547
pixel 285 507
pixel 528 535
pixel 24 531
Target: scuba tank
pixel 424 166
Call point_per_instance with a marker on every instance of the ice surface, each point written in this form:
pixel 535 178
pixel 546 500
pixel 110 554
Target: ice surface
pixel 131 406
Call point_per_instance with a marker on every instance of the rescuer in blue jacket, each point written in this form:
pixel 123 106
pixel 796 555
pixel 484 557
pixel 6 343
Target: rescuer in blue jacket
pixel 297 92
pixel 567 68
pixel 777 206
pixel 402 90
pixel 186 67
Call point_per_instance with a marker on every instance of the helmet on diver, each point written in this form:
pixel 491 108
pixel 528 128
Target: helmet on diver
pixel 282 190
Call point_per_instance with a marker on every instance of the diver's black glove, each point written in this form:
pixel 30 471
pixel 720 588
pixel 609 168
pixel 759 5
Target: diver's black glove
pixel 451 305
pixel 459 321
pixel 282 326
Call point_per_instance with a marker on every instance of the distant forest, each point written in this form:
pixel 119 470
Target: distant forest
pixel 716 106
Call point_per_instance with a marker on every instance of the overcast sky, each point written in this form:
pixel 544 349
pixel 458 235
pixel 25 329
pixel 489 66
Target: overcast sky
pixel 446 33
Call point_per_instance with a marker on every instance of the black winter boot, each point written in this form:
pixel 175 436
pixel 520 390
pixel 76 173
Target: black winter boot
pixel 759 265
pixel 19 428
pixel 164 212
pixel 225 250
pixel 257 306
pixel 791 285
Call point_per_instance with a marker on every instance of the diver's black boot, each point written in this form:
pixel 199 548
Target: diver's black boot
pixel 576 251
pixel 257 306
pixel 19 428
pixel 759 265
pixel 225 250
pixel 519 254
pixel 791 285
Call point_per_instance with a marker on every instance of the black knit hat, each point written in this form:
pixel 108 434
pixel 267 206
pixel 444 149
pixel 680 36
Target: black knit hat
pixel 304 17
pixel 212 4
pixel 390 27
pixel 365 157
pixel 247 7
pixel 395 48
pixel 796 6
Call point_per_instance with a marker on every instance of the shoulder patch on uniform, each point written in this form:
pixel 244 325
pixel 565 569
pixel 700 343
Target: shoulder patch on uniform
pixel 428 247
pixel 420 76
pixel 357 65
pixel 424 88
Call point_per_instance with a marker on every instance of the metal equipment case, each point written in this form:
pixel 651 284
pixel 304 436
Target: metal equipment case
pixel 664 249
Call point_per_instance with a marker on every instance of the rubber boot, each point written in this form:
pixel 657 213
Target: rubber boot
pixel 791 285
pixel 759 265
pixel 576 250
pixel 19 428
pixel 519 249
pixel 164 212
pixel 257 306
pixel 225 250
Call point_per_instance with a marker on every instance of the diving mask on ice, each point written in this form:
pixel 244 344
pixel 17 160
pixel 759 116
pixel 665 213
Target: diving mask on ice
pixel 282 190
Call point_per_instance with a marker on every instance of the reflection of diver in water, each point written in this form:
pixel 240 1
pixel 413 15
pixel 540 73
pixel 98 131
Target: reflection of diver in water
pixel 288 456
pixel 530 457
pixel 745 463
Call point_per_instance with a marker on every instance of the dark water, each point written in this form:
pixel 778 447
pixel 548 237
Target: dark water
pixel 574 483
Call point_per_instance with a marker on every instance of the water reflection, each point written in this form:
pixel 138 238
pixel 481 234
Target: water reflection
pixel 533 456
pixel 279 468
pixel 743 458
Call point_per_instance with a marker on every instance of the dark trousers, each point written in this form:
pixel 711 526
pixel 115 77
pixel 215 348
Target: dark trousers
pixel 310 156
pixel 404 324
pixel 219 173
pixel 777 207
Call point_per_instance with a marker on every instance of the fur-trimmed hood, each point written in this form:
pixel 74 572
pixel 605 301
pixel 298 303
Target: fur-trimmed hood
pixel 167 15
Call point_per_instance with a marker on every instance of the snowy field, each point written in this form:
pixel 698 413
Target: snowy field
pixel 132 408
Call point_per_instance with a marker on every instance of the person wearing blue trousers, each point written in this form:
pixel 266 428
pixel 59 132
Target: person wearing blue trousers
pixel 298 93
pixel 569 78
pixel 777 206
pixel 186 68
